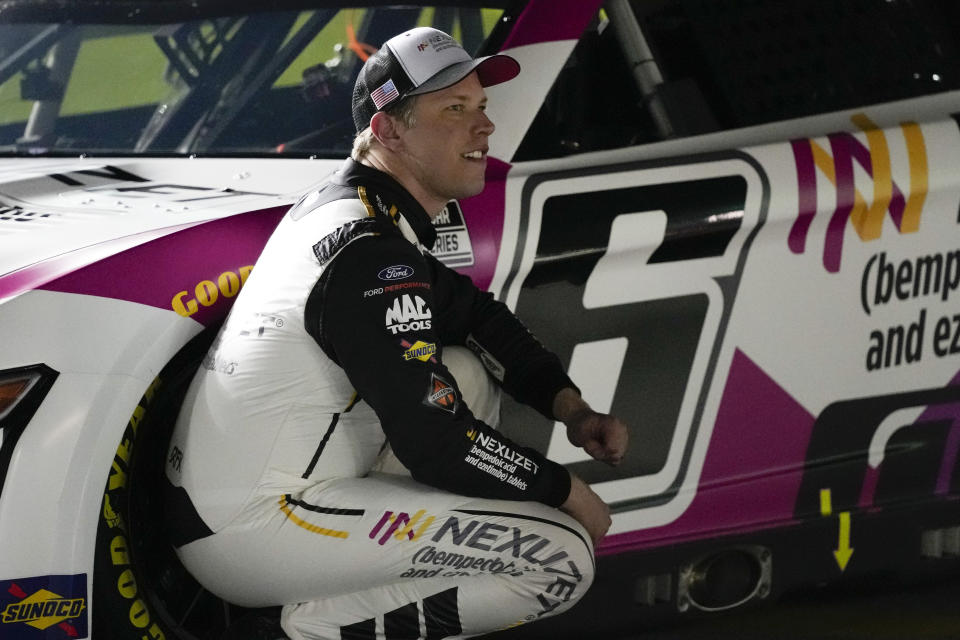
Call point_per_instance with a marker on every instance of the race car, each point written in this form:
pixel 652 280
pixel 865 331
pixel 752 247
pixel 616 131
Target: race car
pixel 736 227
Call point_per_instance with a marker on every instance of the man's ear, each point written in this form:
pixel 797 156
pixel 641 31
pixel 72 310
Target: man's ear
pixel 385 129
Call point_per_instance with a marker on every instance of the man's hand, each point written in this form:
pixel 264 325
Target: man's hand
pixel 603 436
pixel 588 509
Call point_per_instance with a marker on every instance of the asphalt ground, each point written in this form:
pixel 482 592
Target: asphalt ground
pixel 874 609
pixel 928 610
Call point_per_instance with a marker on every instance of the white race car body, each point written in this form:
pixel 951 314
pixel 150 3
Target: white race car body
pixel 771 308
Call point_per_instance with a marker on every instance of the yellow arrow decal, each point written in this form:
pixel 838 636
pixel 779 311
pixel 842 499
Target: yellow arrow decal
pixel 844 551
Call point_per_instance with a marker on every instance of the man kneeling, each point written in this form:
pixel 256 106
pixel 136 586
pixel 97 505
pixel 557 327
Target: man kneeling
pixel 338 347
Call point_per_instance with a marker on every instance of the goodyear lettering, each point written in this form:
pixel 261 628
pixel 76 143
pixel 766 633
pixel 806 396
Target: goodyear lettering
pixel 207 292
pixel 126 584
pixel 139 615
pixel 118 473
pixel 118 551
pixel 135 419
pixel 408 313
pixel 123 451
pixel 118 476
pixel 148 397
pixel 114 519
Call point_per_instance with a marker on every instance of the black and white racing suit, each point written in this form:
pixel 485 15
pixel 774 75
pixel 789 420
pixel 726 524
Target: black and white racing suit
pixel 334 348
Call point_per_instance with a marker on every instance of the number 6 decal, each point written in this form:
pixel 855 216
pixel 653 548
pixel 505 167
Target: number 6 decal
pixel 629 273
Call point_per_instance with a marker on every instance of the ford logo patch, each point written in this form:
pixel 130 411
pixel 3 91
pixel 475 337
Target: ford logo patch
pixel 396 272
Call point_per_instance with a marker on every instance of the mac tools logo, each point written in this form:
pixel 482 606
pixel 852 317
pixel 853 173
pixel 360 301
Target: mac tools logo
pixel 408 313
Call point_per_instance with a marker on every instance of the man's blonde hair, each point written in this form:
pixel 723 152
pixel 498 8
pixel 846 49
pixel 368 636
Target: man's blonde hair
pixel 402 111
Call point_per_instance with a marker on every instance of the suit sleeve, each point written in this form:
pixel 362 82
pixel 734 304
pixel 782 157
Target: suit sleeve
pixel 511 354
pixel 379 322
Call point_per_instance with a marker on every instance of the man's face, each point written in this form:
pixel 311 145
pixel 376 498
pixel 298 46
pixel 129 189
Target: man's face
pixel 446 149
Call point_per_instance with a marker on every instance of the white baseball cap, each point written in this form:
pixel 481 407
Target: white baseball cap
pixel 419 61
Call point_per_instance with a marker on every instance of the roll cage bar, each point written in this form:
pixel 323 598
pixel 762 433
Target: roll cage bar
pixel 220 59
pixel 127 12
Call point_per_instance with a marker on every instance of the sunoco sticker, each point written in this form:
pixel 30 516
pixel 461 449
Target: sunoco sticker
pixel 45 607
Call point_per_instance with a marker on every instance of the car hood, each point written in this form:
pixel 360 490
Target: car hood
pixel 58 215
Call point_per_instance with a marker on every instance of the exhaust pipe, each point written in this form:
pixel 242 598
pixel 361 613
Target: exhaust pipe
pixel 725 579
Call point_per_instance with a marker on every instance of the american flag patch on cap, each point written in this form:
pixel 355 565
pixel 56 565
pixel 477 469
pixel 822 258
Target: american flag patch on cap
pixel 384 94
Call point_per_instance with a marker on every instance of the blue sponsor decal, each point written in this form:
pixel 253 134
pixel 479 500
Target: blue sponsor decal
pixel 396 272
pixel 44 607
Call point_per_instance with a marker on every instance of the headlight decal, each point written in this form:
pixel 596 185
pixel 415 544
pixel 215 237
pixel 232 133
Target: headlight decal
pixel 22 390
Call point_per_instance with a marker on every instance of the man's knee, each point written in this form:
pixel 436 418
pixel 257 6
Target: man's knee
pixel 564 577
pixel 478 389
pixel 573 574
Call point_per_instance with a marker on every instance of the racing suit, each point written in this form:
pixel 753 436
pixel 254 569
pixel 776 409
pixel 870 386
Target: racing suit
pixel 333 350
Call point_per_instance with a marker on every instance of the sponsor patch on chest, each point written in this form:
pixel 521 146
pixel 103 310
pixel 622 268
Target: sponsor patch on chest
pixel 419 350
pixel 441 395
pixel 407 313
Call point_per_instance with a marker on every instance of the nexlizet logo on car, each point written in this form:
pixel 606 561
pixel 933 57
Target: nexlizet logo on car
pixel 905 206
pixel 395 272
pixel 408 313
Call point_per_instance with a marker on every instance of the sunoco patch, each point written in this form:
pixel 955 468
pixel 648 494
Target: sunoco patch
pixel 44 607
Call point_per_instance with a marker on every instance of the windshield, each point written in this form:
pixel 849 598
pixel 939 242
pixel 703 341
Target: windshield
pixel 249 84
